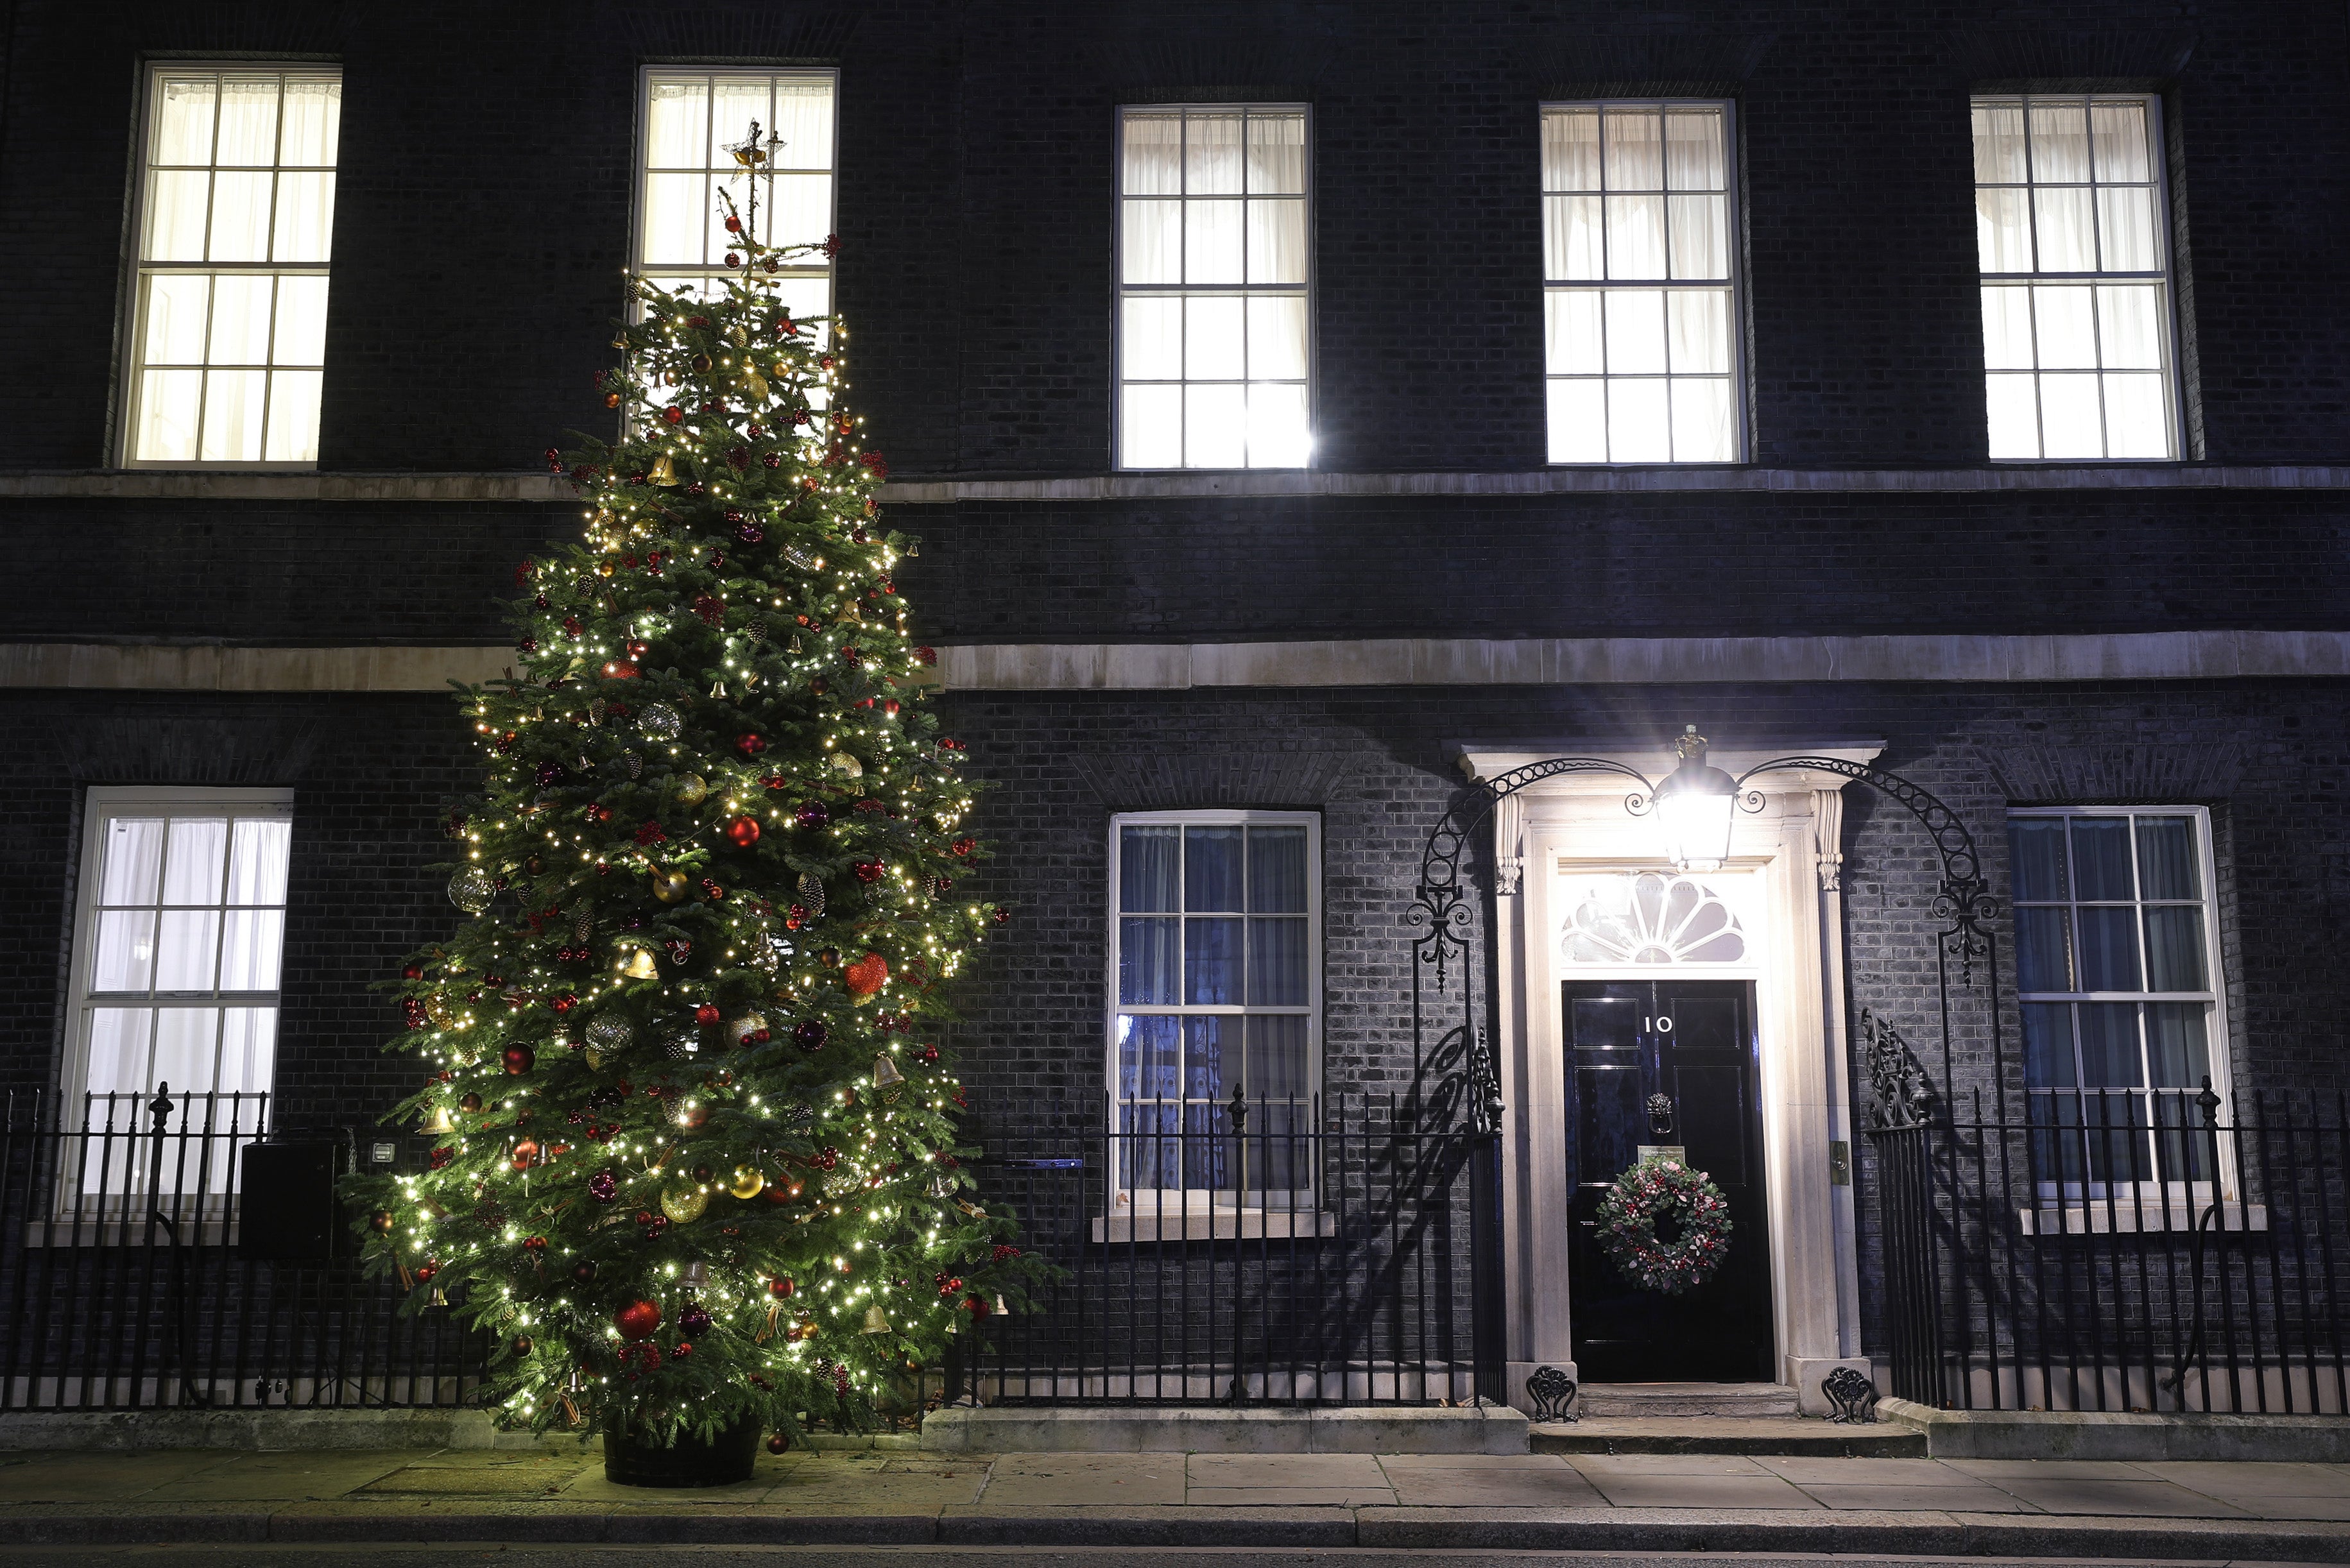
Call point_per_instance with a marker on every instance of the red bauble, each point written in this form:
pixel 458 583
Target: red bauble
pixel 526 1153
pixel 413 971
pixel 673 414
pixel 781 1287
pixel 743 832
pixel 733 224
pixel 866 975
pixel 708 1015
pixel 749 745
pixel 637 1319
pixel 778 1443
pixel 868 871
pixel 520 1059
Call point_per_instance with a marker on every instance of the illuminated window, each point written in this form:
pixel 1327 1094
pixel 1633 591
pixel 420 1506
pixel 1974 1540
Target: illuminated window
pixel 2070 222
pixel 236 218
pixel 692 121
pixel 1641 283
pixel 1214 299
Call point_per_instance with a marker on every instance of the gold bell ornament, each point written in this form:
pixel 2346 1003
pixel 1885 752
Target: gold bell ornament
pixel 640 965
pixel 874 1322
pixel 663 471
pixel 886 1077
pixel 438 1122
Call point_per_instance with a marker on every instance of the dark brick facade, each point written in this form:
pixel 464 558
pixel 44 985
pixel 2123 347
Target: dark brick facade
pixel 481 221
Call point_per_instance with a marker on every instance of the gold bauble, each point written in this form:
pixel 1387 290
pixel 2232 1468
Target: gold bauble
pixel 595 1059
pixel 691 790
pixel 683 1205
pixel 847 766
pixel 748 1182
pixel 756 383
pixel 672 886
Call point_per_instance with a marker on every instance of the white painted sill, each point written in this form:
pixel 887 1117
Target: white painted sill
pixel 2134 1219
pixel 1215 1225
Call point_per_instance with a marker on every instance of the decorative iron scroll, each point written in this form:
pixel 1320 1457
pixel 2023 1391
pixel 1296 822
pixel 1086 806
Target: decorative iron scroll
pixel 1851 1395
pixel 1552 1393
pixel 1900 1095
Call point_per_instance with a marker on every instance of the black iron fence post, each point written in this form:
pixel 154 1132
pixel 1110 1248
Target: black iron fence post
pixel 1488 1310
pixel 1238 1112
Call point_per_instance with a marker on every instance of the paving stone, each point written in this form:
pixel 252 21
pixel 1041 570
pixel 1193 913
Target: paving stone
pixel 1126 1479
pixel 1597 1465
pixel 1290 1496
pixel 290 1477
pixel 2233 1481
pixel 1803 1469
pixel 1686 1490
pixel 104 1477
pixel 1974 1496
pixel 484 1480
pixel 2140 1499
pixel 1446 1487
pixel 1359 1470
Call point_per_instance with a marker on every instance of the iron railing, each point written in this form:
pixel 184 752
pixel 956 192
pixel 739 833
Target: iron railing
pixel 1297 1253
pixel 2119 1250
pixel 124 1286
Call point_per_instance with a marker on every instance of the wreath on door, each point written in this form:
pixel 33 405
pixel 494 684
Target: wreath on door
pixel 1665 1190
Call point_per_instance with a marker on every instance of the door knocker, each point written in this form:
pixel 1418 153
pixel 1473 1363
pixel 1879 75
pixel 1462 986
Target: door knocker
pixel 1660 1115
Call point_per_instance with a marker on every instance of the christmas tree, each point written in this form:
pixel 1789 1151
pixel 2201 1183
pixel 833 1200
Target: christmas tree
pixel 696 1161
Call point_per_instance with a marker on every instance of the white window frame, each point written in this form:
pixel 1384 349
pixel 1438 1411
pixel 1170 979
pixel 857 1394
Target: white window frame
pixel 669 274
pixel 2158 1203
pixel 2165 277
pixel 140 269
pixel 1120 290
pixel 1155 1211
pixel 1735 249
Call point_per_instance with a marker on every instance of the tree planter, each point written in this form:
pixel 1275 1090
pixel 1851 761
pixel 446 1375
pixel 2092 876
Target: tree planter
pixel 631 1459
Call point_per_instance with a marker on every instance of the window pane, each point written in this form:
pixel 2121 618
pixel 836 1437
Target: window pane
pixel 1150 427
pixel 1999 143
pixel 1212 960
pixel 1278 434
pixel 1277 870
pixel 735 103
pixel 2177 1047
pixel 2013 407
pixel 125 958
pixel 1150 244
pixel 1215 426
pixel 1570 150
pixel 1213 340
pixel 2007 328
pixel 247 1054
pixel 2166 859
pixel 1146 962
pixel 183 120
pixel 133 857
pixel 1573 231
pixel 168 402
pixel 2101 858
pixel 2048 1045
pixel 1633 142
pixel 176 215
pixel 2044 959
pixel 1276 335
pixel 2071 422
pixel 2003 230
pixel 2108 949
pixel 187 1047
pixel 1212 154
pixel 2137 422
pixel 1213 250
pixel 672 219
pixel 1701 236
pixel 1638 421
pixel 1277 963
pixel 1276 154
pixel 240 231
pixel 2063 230
pixel 2036 849
pixel 2127 240
pixel 2174 947
pixel 803 119
pixel 1211 1050
pixel 1149 1057
pixel 118 1042
pixel 249 949
pixel 1698 323
pixel 233 410
pixel 301 328
pixel 801 213
pixel 187 949
pixel 676 124
pixel 248 122
pixel 2060 143
pixel 2129 326
pixel 1151 337
pixel 1577 421
pixel 1280 1059
pixel 1276 242
pixel 1212 869
pixel 256 867
pixel 2118 141
pixel 2109 1055
pixel 1148 858
pixel 2066 326
pixel 1635 237
pixel 1570 334
pixel 241 319
pixel 1153 164
pixel 1701 421
pixel 303 230
pixel 293 417
pixel 194 860
pixel 176 305
pixel 1636 331
pixel 1693 150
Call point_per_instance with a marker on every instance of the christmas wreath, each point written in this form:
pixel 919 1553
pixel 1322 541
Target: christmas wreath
pixel 1660 1190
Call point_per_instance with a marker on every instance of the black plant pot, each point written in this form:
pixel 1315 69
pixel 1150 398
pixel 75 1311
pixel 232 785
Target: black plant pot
pixel 630 1459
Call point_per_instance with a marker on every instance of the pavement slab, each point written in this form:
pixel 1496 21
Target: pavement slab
pixel 1125 1480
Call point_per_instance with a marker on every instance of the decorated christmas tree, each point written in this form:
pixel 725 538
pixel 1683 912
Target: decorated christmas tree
pixel 696 1161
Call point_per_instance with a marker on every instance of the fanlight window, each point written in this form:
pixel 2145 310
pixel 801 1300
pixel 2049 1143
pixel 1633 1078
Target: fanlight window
pixel 1650 918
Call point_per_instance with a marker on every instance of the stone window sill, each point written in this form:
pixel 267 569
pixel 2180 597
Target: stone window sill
pixel 1214 1225
pixel 2133 1219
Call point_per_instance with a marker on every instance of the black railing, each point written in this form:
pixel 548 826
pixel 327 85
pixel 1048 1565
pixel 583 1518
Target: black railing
pixel 124 1287
pixel 1249 1252
pixel 2119 1250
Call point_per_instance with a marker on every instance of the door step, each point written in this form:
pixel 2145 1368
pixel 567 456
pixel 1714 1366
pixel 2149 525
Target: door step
pixel 1792 1435
pixel 1749 1400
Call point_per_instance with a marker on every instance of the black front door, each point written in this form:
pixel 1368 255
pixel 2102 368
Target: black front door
pixel 1668 1062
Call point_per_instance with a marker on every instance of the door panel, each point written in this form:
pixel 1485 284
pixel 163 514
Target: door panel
pixel 1692 1041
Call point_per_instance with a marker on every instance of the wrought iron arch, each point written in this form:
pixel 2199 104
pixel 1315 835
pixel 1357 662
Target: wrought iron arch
pixel 1452 1052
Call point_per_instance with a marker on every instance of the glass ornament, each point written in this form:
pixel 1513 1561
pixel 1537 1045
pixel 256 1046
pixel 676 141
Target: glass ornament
pixel 683 1204
pixel 661 721
pixel 610 1031
pixel 470 889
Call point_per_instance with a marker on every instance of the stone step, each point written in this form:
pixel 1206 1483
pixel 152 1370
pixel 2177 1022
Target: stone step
pixel 1792 1435
pixel 1207 1429
pixel 1745 1399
